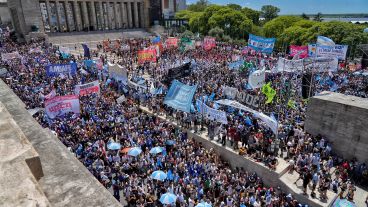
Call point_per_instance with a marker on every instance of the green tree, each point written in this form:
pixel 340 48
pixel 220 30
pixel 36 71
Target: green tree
pixel 269 12
pixel 304 16
pixel 318 17
pixel 234 6
pixel 251 14
pixel 199 6
pixel 276 27
pixel 216 32
pixel 230 20
pixel 185 14
pixel 304 23
pixel 293 36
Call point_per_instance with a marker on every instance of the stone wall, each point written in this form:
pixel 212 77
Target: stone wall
pixel 343 120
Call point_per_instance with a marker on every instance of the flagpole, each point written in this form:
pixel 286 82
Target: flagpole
pixel 314 67
pixel 282 77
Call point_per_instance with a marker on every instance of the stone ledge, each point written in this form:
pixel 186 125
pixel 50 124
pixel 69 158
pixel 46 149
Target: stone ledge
pixel 20 166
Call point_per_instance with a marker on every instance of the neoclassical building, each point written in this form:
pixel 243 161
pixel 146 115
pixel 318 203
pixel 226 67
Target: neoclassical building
pixel 80 15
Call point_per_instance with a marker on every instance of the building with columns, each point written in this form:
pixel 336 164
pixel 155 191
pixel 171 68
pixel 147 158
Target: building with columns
pixel 170 7
pixel 78 15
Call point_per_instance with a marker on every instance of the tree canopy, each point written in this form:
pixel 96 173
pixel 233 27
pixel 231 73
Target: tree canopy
pixel 269 12
pixel 234 23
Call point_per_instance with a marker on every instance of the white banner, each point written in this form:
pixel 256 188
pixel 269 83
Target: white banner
pixel 257 79
pixel 321 64
pixel 271 123
pixel 88 88
pixel 118 72
pixel 9 56
pixel 214 115
pixel 229 92
pixel 289 65
pixel 60 105
pixel 337 51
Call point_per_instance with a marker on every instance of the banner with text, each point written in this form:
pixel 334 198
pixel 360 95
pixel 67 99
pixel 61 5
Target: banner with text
pixel 177 72
pixel 146 56
pixel 61 69
pixel 172 42
pixel 180 96
pixel 213 114
pixel 261 44
pixel 335 51
pixel 299 51
pixel 61 105
pixel 88 88
pixel 271 123
pixel 289 65
pixel 321 64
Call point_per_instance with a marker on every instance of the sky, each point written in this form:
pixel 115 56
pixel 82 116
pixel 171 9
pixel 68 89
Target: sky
pixel 302 6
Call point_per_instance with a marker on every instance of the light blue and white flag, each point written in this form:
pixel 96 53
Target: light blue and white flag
pixel 261 44
pixel 236 64
pixel 64 51
pixel 322 40
pixel 180 96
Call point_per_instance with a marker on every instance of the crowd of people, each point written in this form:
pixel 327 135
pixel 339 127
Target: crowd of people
pixel 194 174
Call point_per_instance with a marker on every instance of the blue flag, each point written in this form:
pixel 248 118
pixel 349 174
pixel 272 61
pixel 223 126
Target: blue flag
pixel 180 96
pixel 86 51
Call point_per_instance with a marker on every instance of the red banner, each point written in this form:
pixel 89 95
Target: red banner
pixel 172 42
pixel 146 56
pixel 209 43
pixel 300 51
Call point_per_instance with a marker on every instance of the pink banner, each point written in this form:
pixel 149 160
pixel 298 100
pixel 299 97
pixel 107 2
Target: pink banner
pixel 88 88
pixel 172 42
pixel 60 105
pixel 300 51
pixel 52 94
pixel 209 43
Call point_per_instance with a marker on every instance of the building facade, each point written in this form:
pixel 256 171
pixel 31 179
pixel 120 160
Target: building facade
pixel 170 7
pixel 78 15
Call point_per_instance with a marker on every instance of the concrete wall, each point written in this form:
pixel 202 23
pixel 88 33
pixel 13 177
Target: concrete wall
pixel 343 120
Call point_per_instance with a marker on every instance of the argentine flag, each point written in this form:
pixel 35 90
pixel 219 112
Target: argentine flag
pixel 322 40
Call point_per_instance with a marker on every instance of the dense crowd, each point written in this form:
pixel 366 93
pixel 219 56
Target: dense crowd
pixel 194 174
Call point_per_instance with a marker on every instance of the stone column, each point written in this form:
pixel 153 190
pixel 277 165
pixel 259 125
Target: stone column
pixel 102 18
pixel 123 15
pixel 77 16
pixel 142 16
pixel 93 14
pixel 146 5
pixel 136 18
pixel 58 15
pixel 85 14
pixel 48 9
pixel 130 17
pixel 67 20
pixel 116 14
pixel 109 24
